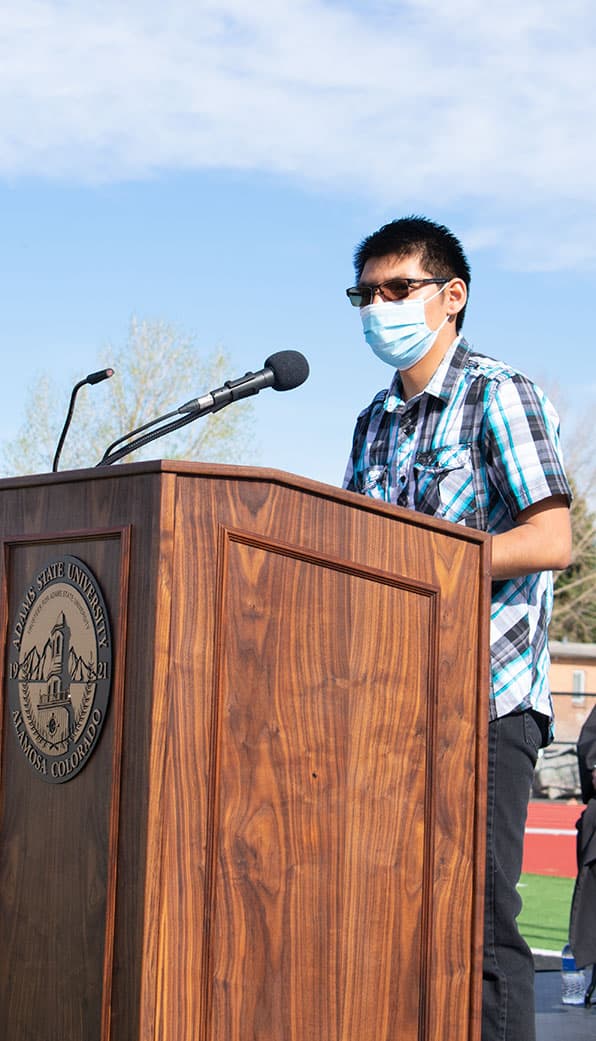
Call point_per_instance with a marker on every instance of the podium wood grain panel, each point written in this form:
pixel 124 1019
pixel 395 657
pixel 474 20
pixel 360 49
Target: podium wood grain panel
pixel 58 842
pixel 319 863
pixel 47 509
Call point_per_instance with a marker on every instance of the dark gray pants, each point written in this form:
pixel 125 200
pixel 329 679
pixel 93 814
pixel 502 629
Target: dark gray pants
pixel 508 967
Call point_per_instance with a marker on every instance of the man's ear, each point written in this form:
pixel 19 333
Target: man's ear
pixel 457 295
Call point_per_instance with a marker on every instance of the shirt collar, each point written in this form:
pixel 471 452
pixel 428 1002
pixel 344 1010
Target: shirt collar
pixel 441 382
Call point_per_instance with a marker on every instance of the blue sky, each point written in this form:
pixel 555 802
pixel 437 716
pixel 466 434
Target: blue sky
pixel 214 166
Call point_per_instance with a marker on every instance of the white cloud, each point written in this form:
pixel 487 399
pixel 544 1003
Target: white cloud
pixel 488 107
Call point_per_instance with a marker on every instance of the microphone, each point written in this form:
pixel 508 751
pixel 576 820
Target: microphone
pixel 284 370
pixel 92 378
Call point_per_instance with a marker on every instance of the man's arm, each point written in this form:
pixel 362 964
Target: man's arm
pixel 539 541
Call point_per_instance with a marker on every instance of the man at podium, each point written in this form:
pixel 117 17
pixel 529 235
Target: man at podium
pixel 468 439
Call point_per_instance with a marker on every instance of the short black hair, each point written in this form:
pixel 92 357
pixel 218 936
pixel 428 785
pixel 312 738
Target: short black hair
pixel 437 248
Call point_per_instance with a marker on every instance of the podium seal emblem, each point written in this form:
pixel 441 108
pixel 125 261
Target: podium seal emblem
pixel 59 668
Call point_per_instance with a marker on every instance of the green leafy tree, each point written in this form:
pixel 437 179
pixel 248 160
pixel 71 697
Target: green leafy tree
pixel 156 369
pixel 574 612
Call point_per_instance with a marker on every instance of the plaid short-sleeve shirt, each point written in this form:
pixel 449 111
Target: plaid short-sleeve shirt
pixel 477 446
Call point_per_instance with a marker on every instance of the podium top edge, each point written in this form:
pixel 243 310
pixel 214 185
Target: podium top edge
pixel 226 471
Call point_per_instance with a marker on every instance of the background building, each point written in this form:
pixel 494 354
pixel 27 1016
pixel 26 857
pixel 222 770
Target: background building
pixel 573 685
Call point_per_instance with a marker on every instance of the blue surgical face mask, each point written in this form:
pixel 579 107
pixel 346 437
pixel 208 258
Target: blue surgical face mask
pixel 397 331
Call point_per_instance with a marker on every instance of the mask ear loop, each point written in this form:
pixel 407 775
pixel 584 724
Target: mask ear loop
pixel 450 317
pixel 438 293
pixel 447 318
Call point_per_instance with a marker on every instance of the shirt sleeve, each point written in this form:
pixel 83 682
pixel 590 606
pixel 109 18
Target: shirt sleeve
pixel 523 450
pixel 350 481
pixel 353 476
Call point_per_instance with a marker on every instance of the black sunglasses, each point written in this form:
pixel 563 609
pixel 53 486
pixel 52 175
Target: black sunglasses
pixel 394 289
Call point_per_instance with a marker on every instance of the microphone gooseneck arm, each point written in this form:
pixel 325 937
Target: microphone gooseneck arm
pixel 92 378
pixel 137 430
pixel 111 456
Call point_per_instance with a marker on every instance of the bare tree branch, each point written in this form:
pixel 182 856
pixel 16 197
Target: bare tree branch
pixel 156 369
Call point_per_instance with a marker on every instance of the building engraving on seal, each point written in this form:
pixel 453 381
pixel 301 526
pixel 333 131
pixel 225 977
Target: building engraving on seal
pixel 59 669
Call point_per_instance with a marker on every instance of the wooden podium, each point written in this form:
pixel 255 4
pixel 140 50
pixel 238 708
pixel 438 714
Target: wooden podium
pixel 279 833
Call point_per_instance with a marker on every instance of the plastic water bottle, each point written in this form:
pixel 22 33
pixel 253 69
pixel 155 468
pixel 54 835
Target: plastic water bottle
pixel 573 980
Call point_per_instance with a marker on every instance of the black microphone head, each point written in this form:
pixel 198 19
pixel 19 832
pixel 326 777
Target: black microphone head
pixel 290 369
pixel 97 377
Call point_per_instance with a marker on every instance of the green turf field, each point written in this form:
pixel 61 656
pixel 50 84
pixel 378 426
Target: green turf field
pixel 544 921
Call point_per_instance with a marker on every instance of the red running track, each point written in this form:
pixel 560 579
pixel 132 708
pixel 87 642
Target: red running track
pixel 549 846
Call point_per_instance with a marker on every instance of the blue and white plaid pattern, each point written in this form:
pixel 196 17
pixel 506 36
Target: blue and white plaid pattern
pixel 480 444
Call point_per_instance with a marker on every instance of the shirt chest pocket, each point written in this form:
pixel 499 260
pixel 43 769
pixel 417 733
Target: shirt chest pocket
pixel 374 482
pixel 444 483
